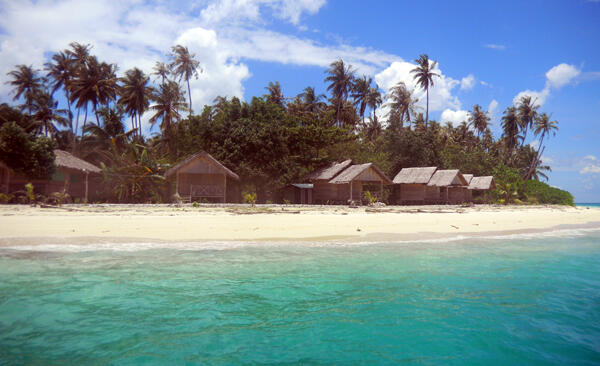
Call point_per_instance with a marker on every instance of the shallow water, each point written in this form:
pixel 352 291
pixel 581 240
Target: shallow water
pixel 523 300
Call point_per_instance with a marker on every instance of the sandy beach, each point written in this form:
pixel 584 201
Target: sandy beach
pixel 273 222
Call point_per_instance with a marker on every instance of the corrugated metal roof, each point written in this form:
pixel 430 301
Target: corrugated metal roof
pixel 420 175
pixel 303 185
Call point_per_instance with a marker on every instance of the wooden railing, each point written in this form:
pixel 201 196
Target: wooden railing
pixel 207 190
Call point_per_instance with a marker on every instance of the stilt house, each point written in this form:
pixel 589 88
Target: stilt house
pixel 203 177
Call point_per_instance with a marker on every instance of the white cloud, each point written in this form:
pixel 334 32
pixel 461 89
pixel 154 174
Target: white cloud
pixel 534 144
pixel 492 108
pixel 561 75
pixel 440 95
pixel 590 169
pixel 493 46
pixel 539 97
pixel 467 83
pixel 454 117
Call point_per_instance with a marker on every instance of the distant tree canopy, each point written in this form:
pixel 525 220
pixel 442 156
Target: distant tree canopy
pixel 270 141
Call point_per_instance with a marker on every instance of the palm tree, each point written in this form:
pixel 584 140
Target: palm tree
pixel 135 95
pixel 311 101
pixel 26 83
pixel 275 95
pixel 360 94
pixel 374 99
pixel 47 115
pixel 340 80
pixel 79 54
pixel 543 127
pixel 161 70
pixel 184 66
pixel 478 119
pixel 95 83
pixel 372 129
pixel 169 100
pixel 527 111
pixel 510 127
pixel 401 103
pixel 60 72
pixel 424 77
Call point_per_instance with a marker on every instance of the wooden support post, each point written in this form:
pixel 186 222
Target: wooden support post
pixel 350 191
pixel 224 188
pixel 177 183
pixel 86 186
pixel 381 190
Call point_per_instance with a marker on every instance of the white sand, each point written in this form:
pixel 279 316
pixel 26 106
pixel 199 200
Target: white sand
pixel 239 222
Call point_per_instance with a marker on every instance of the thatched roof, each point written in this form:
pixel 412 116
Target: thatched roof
pixel 66 160
pixel 468 177
pixel 414 175
pixel 329 171
pixel 354 171
pixel 202 154
pixel 482 183
pixel 447 178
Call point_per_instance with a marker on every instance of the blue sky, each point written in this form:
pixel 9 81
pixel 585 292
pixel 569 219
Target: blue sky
pixel 488 53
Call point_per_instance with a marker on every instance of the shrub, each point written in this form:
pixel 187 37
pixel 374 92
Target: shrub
pixel 371 199
pixel 541 192
pixel 249 197
pixel 6 198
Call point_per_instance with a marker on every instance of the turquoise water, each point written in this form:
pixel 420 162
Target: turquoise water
pixel 511 301
pixel 588 204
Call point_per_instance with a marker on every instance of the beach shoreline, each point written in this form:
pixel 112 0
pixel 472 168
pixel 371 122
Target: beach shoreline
pixel 23 225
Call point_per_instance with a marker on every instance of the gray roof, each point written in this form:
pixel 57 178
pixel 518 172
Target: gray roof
pixel 414 175
pixel 329 171
pixel 352 172
pixel 482 183
pixel 446 178
pixel 69 161
pixel 206 155
pixel 303 185
pixel 468 177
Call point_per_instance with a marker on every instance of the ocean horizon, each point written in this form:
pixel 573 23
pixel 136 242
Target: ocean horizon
pixel 526 299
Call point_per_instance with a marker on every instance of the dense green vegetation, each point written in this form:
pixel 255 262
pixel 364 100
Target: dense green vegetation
pixel 270 141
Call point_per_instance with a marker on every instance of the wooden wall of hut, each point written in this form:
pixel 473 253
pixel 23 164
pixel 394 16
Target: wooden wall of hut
pixel 455 195
pixel 324 192
pixel 212 187
pixel 410 193
pixel 298 196
pixel 72 180
pixel 432 194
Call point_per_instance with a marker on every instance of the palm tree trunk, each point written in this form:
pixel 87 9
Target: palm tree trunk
pixel 535 160
pixel 189 96
pixel 427 110
pixel 70 113
pixel 133 123
pixel 139 116
pixel 96 113
pixel 84 120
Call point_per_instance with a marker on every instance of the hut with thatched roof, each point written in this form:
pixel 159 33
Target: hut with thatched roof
pixel 451 184
pixel 479 186
pixel 72 176
pixel 410 186
pixel 468 193
pixel 201 176
pixel 298 193
pixel 354 179
pixel 325 192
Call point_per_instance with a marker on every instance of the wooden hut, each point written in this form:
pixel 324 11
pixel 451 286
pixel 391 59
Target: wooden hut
pixel 202 177
pixel 354 179
pixel 298 193
pixel 4 178
pixel 72 175
pixel 325 192
pixel 410 186
pixel 479 186
pixel 451 184
pixel 468 192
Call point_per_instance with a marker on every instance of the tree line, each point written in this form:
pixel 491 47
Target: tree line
pixel 270 140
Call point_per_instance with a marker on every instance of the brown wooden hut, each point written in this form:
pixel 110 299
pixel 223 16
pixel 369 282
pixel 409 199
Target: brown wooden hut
pixel 4 178
pixel 325 192
pixel 72 175
pixel 451 184
pixel 410 186
pixel 479 186
pixel 468 193
pixel 203 177
pixel 354 179
pixel 299 193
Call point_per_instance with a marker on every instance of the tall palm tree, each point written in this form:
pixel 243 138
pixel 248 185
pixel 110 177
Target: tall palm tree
pixel 374 99
pixel 527 110
pixel 79 54
pixel 401 103
pixel 47 115
pixel 360 94
pixel 184 66
pixel 161 70
pixel 275 94
pixel 424 76
pixel 135 95
pixel 372 129
pixel 544 127
pixel 341 77
pixel 26 83
pixel 95 83
pixel 60 72
pixel 510 129
pixel 478 119
pixel 169 100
